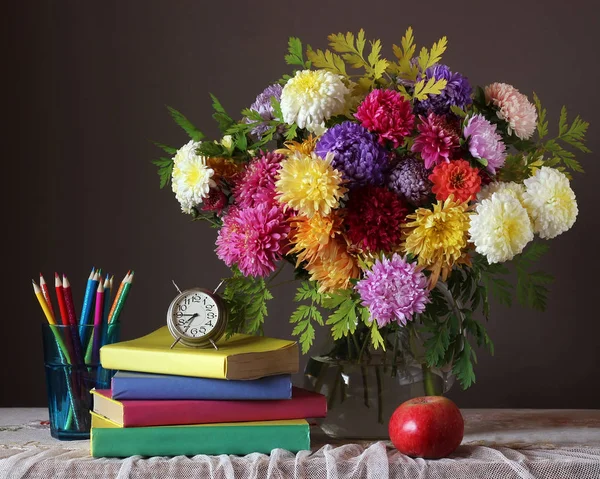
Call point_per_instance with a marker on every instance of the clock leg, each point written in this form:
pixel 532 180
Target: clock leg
pixel 214 345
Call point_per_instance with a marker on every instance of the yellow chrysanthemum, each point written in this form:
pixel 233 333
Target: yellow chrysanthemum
pixel 310 235
pixel 438 238
pixel 333 267
pixel 224 168
pixel 304 148
pixel 309 184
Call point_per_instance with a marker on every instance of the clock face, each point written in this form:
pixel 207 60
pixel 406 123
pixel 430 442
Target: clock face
pixel 195 315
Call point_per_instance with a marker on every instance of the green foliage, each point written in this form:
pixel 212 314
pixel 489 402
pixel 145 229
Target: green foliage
pixel 343 320
pixel 295 55
pixel 532 286
pixel 165 170
pixel 463 366
pixel 247 300
pixel 306 313
pixel 220 115
pixel 432 87
pixel 186 124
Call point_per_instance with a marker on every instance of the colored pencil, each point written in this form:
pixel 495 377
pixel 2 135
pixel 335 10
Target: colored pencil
pixel 107 287
pixel 63 352
pixel 121 300
pixel 76 339
pixel 91 355
pixel 45 292
pixel 117 296
pixel 60 299
pixel 90 289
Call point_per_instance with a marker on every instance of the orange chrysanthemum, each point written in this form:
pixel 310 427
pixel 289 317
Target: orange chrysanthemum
pixel 224 168
pixel 333 267
pixel 310 235
pixel 305 148
pixel 457 178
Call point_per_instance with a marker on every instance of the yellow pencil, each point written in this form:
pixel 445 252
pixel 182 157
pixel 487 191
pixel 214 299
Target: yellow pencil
pixel 40 296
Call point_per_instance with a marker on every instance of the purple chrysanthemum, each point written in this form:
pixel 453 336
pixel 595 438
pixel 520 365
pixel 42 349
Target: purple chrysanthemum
pixel 410 180
pixel 356 153
pixel 485 142
pixel 263 106
pixel 253 238
pixel 257 183
pixel 457 92
pixel 394 290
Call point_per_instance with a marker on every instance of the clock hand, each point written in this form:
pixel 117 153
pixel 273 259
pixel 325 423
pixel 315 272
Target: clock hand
pixel 190 321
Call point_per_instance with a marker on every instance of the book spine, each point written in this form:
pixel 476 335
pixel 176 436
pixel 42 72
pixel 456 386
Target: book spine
pixel 181 387
pixel 170 412
pixel 192 440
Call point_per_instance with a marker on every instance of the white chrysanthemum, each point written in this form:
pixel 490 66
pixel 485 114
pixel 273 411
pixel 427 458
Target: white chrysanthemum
pixel 550 202
pixel 512 188
pixel 191 179
pixel 500 228
pixel 311 97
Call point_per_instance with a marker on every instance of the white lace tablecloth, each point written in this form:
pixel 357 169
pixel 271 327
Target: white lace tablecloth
pixel 498 443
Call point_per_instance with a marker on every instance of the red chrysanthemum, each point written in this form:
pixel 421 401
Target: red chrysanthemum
pixel 215 201
pixel 437 140
pixel 373 217
pixel 257 182
pixel 387 113
pixel 456 178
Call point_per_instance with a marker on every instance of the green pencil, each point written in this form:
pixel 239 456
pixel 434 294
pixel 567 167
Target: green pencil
pixel 120 301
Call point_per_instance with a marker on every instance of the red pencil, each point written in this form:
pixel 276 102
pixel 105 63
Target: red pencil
pixel 69 301
pixel 46 294
pixel 60 297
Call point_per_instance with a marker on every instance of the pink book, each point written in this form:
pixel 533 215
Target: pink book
pixel 304 404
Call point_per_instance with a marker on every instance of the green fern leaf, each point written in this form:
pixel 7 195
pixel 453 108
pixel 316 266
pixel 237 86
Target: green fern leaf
pixel 186 124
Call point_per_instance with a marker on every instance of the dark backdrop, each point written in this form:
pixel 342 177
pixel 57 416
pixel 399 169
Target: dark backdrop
pixel 89 82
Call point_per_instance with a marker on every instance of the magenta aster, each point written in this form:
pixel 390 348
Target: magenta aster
pixel 387 113
pixel 394 290
pixel 254 238
pixel 257 184
pixel 437 140
pixel 485 142
pixel 373 216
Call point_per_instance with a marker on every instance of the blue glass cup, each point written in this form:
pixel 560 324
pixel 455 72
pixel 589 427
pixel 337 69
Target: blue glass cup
pixel 72 370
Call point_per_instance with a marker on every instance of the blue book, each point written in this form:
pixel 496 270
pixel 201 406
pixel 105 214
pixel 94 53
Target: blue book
pixel 134 385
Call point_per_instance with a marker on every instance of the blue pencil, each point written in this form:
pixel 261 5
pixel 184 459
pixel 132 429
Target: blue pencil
pixel 88 300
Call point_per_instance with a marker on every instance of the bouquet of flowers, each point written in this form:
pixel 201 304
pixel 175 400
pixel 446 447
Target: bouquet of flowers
pixel 396 190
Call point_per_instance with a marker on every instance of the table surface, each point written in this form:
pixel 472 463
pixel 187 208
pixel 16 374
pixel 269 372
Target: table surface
pixel 501 443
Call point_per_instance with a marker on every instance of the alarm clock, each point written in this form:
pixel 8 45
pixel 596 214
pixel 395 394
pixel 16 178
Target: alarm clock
pixel 197 318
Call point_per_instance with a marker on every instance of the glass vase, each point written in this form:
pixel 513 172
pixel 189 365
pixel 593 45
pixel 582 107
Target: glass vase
pixel 363 391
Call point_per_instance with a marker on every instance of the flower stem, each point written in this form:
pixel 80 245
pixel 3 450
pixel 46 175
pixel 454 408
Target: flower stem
pixel 429 382
pixel 379 395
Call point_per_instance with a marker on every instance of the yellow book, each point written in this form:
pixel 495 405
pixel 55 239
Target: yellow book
pixel 239 357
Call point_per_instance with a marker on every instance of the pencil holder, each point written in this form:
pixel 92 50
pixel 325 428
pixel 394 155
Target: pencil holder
pixel 71 374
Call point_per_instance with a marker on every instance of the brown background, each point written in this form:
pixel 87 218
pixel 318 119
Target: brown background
pixel 88 86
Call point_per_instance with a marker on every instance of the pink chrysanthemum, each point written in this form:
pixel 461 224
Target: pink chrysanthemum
pixel 485 142
pixel 514 108
pixel 254 238
pixel 257 183
pixel 387 113
pixel 394 290
pixel 437 140
pixel 374 215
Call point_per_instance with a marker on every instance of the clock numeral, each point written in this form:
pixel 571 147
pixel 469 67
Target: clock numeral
pixel 210 315
pixel 182 307
pixel 209 306
pixel 202 330
pixel 196 298
pixel 181 321
pixel 194 331
pixel 210 324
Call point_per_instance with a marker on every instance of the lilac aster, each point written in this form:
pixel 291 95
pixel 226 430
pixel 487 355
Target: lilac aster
pixel 356 153
pixel 457 92
pixel 263 106
pixel 410 180
pixel 394 290
pixel 485 142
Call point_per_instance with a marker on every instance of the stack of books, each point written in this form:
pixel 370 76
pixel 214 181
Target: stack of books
pixel 238 399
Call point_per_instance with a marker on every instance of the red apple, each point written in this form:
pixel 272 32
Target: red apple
pixel 430 427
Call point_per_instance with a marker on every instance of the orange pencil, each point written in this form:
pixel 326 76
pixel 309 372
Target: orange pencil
pixel 117 295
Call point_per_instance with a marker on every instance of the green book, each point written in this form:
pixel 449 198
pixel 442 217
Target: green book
pixel 108 439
